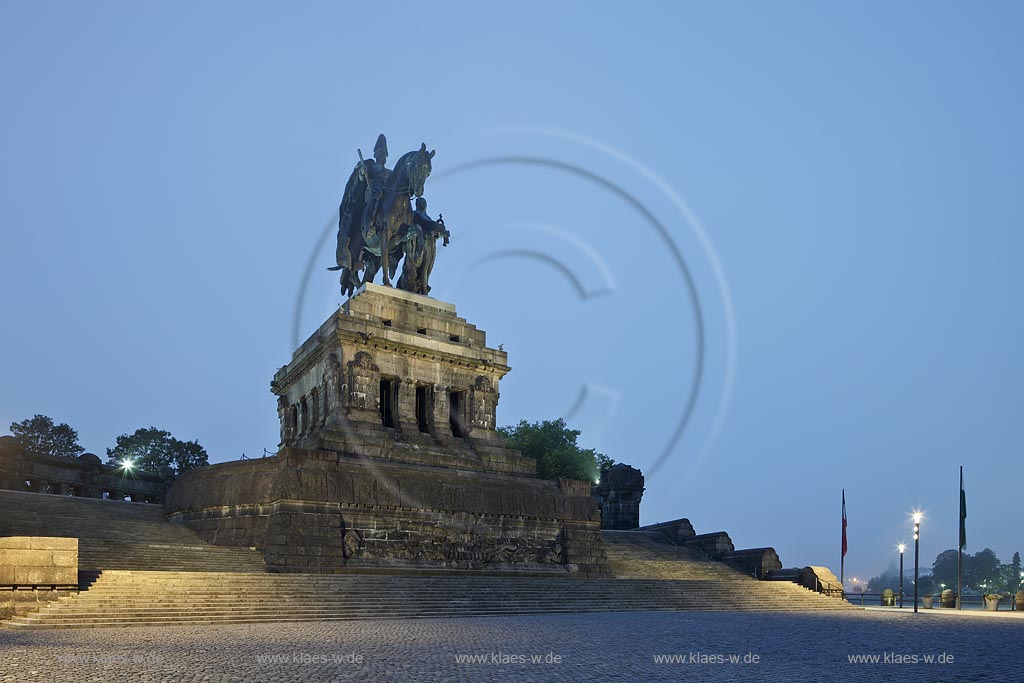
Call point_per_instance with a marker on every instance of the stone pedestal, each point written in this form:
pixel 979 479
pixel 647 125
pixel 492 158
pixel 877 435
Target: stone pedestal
pixel 390 460
pixel 618 494
pixel 394 375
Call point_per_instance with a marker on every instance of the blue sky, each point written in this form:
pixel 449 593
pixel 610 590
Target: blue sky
pixel 839 183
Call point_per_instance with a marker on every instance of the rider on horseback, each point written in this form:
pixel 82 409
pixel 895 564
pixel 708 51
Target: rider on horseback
pixel 375 174
pixel 376 221
pixel 360 203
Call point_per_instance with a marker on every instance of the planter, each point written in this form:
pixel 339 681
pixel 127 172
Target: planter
pixel 926 601
pixel 1020 601
pixel 992 604
pixel 888 598
pixel 948 598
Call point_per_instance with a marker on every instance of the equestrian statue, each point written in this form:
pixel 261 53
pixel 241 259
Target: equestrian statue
pixel 377 226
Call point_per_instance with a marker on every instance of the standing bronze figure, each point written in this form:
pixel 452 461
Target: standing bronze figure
pixel 421 250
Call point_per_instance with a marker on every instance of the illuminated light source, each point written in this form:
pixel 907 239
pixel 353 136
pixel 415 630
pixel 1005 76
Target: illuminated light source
pixel 917 517
pixel 901 547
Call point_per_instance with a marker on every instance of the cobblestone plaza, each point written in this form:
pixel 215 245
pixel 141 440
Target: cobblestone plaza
pixel 851 646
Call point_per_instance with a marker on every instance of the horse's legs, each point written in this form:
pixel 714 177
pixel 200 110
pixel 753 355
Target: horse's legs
pixel 372 265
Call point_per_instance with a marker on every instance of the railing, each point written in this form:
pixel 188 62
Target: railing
pixel 39 586
pixel 973 602
pixel 829 589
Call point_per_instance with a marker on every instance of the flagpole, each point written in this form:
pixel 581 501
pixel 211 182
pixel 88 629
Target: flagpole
pixel 960 544
pixel 842 551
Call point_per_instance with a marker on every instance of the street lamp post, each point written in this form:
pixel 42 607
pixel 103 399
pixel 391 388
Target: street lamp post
pixel 917 553
pixel 902 547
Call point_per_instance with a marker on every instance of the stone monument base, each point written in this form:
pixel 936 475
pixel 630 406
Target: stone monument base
pixel 390 459
pixel 325 512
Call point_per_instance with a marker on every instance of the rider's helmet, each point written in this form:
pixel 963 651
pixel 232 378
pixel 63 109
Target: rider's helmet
pixel 381 148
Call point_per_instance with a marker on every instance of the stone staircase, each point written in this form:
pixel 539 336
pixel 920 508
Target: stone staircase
pixel 137 569
pixel 117 535
pixel 120 598
pixel 651 555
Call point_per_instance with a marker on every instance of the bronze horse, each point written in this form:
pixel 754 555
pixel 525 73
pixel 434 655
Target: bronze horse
pixel 385 225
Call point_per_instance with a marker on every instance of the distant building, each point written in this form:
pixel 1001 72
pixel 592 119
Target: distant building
pixel 85 476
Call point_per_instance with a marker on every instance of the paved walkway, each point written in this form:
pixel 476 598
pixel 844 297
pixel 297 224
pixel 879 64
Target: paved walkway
pixel 850 646
pixel 977 613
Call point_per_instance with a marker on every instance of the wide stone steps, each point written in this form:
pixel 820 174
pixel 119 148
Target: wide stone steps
pixel 140 570
pixel 475 601
pixel 651 555
pixel 156 598
pixel 336 617
pixel 117 535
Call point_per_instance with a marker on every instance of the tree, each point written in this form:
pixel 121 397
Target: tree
pixel 944 568
pixel 39 434
pixel 154 449
pixel 554 447
pixel 888 579
pixel 604 463
pixel 982 571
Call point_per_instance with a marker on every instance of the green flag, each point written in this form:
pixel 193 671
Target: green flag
pixel 963 513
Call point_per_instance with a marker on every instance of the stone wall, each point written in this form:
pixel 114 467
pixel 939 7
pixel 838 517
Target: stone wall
pixel 18 601
pixel 756 562
pixel 85 476
pixel 680 531
pixel 715 545
pixel 819 579
pixel 30 567
pixel 38 560
pixel 323 511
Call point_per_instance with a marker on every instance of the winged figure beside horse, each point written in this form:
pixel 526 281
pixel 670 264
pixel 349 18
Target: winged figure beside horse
pixel 378 225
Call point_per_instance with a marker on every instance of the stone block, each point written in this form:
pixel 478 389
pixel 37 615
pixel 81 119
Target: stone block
pixel 15 542
pixel 680 531
pixel 618 495
pixel 715 545
pixel 65 558
pixel 756 562
pixel 25 558
pixel 34 575
pixel 54 543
